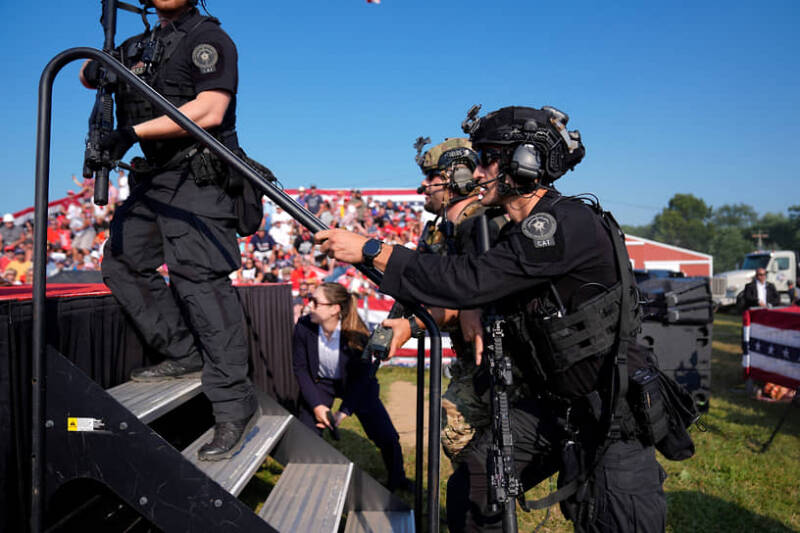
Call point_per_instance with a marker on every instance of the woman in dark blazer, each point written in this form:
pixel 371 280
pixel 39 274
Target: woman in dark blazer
pixel 326 358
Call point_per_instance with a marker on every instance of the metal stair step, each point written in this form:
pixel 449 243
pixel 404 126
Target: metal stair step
pixel 308 498
pixel 380 522
pixel 234 473
pixel 149 400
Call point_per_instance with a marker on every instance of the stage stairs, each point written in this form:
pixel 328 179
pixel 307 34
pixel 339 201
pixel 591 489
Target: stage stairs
pixel 104 435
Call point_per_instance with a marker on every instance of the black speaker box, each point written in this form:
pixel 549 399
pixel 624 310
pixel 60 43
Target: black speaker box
pixel 677 300
pixel 683 353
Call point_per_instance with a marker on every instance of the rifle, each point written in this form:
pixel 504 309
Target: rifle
pixel 504 485
pixel 96 162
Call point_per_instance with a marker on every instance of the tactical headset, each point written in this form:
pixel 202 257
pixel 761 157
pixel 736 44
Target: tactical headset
pixel 535 146
pixel 457 166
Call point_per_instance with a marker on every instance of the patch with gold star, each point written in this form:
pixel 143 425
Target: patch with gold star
pixel 540 228
pixel 205 57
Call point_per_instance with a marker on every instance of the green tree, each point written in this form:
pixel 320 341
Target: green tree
pixel 684 222
pixel 728 246
pixel 740 216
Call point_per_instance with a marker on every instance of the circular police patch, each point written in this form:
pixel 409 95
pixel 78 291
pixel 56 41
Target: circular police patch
pixel 205 57
pixel 540 228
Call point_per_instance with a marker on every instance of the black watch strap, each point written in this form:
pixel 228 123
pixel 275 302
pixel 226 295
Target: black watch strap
pixel 416 331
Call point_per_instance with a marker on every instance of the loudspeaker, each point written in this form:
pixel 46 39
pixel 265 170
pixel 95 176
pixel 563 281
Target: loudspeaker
pixel 684 354
pixel 677 300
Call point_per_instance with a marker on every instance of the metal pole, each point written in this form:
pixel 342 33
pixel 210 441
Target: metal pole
pixel 420 451
pixel 434 423
pixel 275 194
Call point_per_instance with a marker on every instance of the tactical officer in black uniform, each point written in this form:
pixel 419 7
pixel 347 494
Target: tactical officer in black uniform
pixel 178 213
pixel 555 275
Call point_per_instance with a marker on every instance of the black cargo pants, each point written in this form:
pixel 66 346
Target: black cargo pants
pixel 198 315
pixel 626 487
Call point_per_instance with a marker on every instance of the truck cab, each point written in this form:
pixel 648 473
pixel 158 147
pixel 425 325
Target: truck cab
pixel 781 266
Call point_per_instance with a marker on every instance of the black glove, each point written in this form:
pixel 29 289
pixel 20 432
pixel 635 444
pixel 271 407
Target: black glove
pixel 92 73
pixel 118 142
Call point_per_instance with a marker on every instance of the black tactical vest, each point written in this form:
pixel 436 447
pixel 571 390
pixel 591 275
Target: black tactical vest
pixel 564 348
pixel 132 107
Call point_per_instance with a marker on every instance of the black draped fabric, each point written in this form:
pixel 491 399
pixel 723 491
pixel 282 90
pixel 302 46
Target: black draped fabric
pixel 93 333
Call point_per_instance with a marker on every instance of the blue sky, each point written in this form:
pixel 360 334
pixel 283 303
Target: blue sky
pixel 689 97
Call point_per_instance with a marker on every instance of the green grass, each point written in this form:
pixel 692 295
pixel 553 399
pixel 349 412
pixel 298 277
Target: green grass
pixel 728 486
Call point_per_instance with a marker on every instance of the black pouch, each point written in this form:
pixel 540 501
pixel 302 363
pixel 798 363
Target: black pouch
pixel 246 196
pixel 682 412
pixel 648 405
pixel 206 168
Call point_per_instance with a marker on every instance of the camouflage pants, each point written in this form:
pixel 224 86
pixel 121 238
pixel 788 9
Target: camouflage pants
pixel 463 411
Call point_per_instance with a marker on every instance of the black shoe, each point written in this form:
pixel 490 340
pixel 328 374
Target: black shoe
pixel 229 438
pixel 166 370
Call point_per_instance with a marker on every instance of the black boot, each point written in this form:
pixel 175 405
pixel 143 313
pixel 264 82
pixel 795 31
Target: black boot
pixel 166 370
pixel 229 438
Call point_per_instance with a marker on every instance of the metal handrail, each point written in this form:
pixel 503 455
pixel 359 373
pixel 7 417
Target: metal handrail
pixel 278 196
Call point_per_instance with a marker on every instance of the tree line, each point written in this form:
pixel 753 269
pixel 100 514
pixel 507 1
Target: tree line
pixel 727 232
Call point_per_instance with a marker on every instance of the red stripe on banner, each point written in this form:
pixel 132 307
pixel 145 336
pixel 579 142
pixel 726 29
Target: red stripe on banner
pixel 762 375
pixel 57 290
pixel 784 318
pixel 412 352
pixel 377 304
pixel 746 317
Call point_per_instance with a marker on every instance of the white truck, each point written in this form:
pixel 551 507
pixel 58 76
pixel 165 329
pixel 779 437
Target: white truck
pixel 781 266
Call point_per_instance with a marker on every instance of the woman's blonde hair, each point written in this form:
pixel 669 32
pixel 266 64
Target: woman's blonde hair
pixel 354 330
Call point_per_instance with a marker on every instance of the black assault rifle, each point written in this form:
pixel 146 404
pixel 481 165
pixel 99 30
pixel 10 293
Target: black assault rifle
pixel 504 485
pixel 97 162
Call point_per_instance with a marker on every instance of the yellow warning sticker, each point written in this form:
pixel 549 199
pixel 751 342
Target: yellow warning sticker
pixel 78 423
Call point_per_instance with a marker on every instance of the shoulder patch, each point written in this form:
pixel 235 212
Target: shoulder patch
pixel 205 57
pixel 540 228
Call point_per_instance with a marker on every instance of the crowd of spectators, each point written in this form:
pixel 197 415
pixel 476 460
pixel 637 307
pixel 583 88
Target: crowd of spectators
pixel 280 251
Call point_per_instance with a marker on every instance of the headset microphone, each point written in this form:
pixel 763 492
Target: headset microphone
pixel 421 189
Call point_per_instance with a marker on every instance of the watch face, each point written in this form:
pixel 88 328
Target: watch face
pixel 371 248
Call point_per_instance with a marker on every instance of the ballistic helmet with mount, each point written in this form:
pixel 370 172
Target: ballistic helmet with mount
pixel 429 161
pixel 531 145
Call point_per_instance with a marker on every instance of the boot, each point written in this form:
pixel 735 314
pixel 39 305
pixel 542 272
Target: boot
pixel 166 370
pixel 229 438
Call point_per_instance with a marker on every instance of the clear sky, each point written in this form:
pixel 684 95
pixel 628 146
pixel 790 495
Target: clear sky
pixel 690 97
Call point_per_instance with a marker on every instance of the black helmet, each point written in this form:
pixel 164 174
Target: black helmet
pixel 534 142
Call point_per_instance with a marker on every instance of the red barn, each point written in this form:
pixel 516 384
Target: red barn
pixel 651 255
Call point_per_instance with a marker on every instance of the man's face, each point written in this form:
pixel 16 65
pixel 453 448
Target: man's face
pixel 486 178
pixel 761 275
pixel 435 193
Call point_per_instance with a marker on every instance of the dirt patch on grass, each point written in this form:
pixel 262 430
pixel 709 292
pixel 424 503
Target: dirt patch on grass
pixel 402 407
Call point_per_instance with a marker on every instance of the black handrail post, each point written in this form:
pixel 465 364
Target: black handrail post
pixel 420 451
pixel 43 123
pixel 434 422
pixel 275 194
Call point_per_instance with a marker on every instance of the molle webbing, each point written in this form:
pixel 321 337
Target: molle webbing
pixel 589 331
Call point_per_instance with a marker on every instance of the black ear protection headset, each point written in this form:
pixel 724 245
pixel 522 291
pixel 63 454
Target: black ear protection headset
pixel 457 166
pixel 534 145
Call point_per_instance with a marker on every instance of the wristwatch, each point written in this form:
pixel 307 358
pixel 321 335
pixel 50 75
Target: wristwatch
pixel 370 251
